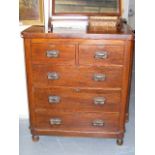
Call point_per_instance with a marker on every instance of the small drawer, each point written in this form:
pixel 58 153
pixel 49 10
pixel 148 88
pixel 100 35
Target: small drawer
pixel 101 55
pixel 46 76
pixel 73 99
pixel 90 122
pixel 53 53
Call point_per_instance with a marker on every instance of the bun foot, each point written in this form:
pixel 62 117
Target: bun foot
pixel 119 141
pixel 35 138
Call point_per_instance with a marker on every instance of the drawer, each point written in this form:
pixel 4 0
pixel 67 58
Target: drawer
pixel 110 77
pixel 86 122
pixel 53 53
pixel 72 99
pixel 101 55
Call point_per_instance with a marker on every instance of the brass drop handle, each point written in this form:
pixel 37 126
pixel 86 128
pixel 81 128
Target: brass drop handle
pixel 55 121
pixel 54 99
pixel 101 55
pixel 98 123
pixel 53 76
pixel 99 100
pixel 99 77
pixel 52 54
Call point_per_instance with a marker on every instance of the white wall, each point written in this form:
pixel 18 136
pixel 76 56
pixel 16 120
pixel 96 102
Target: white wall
pixel 21 82
pixel 126 8
pixel 129 4
pixel 131 19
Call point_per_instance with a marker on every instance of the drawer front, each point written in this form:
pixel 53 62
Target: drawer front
pixel 110 77
pixel 53 53
pixel 97 122
pixel 72 99
pixel 101 55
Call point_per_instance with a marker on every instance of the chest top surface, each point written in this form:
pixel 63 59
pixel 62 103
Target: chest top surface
pixel 125 33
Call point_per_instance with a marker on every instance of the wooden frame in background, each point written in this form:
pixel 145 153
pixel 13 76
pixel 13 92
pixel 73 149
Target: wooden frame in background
pixel 31 12
pixel 119 13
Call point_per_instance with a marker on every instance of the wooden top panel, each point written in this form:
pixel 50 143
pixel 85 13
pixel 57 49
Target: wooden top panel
pixel 38 32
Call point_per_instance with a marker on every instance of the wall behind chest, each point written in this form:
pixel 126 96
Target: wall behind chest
pixel 23 106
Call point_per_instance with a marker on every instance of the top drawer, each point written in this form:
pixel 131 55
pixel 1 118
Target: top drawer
pixel 53 53
pixel 101 55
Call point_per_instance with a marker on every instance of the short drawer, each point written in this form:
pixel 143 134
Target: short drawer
pixel 53 53
pixel 86 122
pixel 77 99
pixel 101 55
pixel 110 77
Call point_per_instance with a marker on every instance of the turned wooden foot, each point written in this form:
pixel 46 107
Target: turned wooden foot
pixel 35 138
pixel 119 141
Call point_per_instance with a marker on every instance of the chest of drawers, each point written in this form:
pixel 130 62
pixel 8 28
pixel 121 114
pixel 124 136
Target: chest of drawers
pixel 78 84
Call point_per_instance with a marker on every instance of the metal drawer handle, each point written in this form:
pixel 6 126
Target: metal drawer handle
pixel 53 76
pixel 99 100
pixel 99 77
pixel 98 123
pixel 101 55
pixel 54 99
pixel 55 121
pixel 52 54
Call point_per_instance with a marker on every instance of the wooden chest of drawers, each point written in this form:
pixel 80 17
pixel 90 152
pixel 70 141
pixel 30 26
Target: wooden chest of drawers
pixel 78 84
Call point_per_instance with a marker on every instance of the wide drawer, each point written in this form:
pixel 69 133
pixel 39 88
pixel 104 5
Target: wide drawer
pixel 110 77
pixel 86 122
pixel 73 99
pixel 53 53
pixel 100 55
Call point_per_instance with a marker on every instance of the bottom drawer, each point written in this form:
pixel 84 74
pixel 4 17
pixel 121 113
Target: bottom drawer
pixel 84 122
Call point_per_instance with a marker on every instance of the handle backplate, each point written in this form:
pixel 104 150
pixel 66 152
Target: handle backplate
pixel 99 100
pixel 99 77
pixel 101 55
pixel 55 121
pixel 98 123
pixel 53 76
pixel 52 53
pixel 54 99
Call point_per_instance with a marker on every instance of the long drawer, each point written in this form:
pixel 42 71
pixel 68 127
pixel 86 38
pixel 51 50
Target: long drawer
pixel 77 99
pixel 53 53
pixel 101 55
pixel 86 122
pixel 47 76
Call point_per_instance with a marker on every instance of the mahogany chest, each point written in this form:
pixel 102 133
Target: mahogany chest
pixel 78 83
